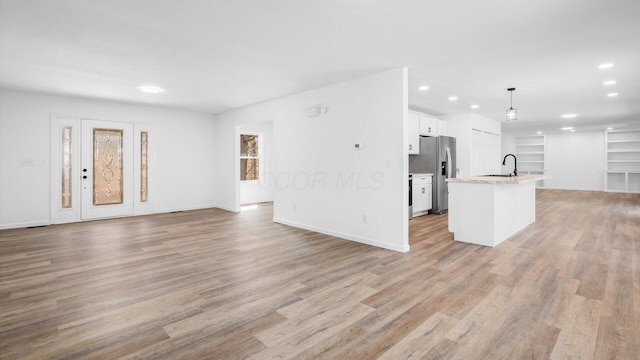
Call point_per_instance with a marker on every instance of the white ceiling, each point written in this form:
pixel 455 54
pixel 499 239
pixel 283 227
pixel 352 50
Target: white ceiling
pixel 213 56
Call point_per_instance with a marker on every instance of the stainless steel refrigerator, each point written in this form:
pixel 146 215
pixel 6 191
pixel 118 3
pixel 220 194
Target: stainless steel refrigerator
pixel 437 156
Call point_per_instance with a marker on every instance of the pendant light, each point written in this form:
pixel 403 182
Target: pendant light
pixel 512 114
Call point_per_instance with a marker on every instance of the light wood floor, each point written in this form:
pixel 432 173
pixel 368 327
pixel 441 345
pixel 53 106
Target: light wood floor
pixel 212 284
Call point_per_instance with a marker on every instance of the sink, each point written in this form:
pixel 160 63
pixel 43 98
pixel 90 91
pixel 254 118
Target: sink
pixel 500 175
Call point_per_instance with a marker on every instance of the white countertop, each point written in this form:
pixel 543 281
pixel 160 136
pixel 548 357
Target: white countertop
pixel 420 174
pixel 520 179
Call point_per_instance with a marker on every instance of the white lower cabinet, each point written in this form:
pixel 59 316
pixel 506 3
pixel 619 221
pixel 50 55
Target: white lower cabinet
pixel 421 191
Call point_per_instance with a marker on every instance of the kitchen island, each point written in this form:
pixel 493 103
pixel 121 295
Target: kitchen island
pixel 486 210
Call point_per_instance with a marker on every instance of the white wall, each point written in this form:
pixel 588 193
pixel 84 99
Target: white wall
pixel 508 144
pixel 255 192
pixel 320 182
pixel 183 145
pixel 575 161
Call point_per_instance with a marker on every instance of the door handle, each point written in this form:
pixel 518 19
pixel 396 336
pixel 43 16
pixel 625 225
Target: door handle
pixel 423 190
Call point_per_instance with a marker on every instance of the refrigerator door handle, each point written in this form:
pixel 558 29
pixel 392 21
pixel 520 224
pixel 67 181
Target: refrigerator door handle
pixel 448 152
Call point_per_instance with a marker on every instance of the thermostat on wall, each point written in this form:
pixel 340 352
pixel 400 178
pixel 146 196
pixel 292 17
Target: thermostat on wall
pixel 357 146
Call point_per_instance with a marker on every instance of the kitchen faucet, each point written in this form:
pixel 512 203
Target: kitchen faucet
pixel 515 163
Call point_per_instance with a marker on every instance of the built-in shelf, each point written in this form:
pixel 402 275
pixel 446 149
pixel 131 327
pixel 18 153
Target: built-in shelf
pixel 532 144
pixel 624 141
pixel 622 161
pixel 530 151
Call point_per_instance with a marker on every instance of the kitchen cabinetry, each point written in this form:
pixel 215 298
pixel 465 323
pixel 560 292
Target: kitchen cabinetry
pixel 421 193
pixel 414 133
pixel 622 157
pixel 428 126
pixel 530 151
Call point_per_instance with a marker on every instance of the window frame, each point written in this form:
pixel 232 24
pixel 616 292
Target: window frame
pixel 260 157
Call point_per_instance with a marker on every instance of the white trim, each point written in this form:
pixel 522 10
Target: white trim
pixel 25 225
pixel 260 156
pixel 226 208
pixel 199 207
pixel 143 208
pixel 57 215
pixel 358 239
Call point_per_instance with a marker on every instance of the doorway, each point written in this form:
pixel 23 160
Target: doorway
pixel 256 163
pixel 99 169
pixel 107 169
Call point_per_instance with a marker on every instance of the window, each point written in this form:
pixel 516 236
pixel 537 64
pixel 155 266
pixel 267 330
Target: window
pixel 250 157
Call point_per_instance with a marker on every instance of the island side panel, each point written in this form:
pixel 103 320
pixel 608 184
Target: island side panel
pixel 471 213
pixel 515 209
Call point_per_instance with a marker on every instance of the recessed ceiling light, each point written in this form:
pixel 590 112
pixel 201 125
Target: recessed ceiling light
pixel 568 116
pixel 572 130
pixel 609 128
pixel 150 89
pixel 612 94
pixel 423 88
pixel 453 98
pixel 567 128
pixel 605 66
pixel 609 82
pixel 539 133
pixel 475 106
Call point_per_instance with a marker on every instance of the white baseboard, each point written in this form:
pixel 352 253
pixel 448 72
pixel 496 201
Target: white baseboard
pixel 342 235
pixel 221 207
pixel 572 189
pixel 186 208
pixel 25 225
pixel 47 222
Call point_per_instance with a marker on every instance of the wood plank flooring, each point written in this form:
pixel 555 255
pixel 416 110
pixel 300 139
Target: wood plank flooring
pixel 210 284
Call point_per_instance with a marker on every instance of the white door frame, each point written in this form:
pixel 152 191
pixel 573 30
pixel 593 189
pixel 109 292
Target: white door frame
pixel 60 215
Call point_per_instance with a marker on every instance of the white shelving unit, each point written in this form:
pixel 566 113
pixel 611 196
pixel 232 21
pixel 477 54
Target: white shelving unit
pixel 622 161
pixel 530 151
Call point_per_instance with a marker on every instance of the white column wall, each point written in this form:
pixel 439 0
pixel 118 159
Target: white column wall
pixel 321 183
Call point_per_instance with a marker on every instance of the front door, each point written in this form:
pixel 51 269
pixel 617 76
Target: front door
pixel 107 184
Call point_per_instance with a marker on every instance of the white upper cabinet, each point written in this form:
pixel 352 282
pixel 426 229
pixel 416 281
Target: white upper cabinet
pixel 428 126
pixel 414 133
pixel 423 125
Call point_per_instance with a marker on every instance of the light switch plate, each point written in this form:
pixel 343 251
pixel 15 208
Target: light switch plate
pixel 26 162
